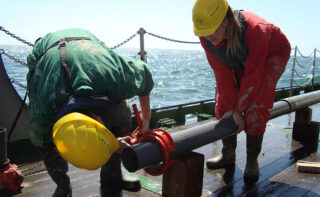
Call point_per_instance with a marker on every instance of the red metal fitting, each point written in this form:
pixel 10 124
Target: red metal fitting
pixel 160 137
pixel 166 143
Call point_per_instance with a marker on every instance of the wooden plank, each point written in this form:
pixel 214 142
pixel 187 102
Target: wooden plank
pixel 185 177
pixel 308 166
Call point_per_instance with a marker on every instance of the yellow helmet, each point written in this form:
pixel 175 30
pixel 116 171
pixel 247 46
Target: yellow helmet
pixel 83 141
pixel 207 16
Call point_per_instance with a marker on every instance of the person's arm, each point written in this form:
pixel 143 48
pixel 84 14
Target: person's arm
pixel 227 92
pixel 145 111
pixel 257 45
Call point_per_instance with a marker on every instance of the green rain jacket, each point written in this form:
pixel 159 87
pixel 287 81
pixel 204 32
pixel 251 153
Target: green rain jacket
pixel 95 70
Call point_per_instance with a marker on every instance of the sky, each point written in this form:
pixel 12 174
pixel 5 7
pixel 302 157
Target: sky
pixel 115 21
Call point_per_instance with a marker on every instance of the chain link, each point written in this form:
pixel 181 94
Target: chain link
pixel 13 58
pixel 18 83
pixel 15 37
pixel 132 99
pixel 24 171
pixel 172 40
pixel 124 42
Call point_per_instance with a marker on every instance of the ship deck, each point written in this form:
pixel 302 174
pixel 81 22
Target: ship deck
pixel 278 172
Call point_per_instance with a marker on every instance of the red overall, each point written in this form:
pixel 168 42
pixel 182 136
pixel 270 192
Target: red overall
pixel 268 53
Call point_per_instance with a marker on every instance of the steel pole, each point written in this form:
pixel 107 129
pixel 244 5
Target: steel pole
pixel 3 149
pixel 146 154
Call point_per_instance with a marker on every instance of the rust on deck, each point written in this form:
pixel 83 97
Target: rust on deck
pixel 277 162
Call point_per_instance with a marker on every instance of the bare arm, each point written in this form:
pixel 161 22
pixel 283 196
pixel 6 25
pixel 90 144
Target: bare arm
pixel 145 111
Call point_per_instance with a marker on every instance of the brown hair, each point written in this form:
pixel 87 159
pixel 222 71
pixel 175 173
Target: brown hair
pixel 232 32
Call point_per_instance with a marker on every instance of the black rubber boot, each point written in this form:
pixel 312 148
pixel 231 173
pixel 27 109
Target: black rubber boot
pixel 57 168
pixel 227 156
pixel 112 180
pixel 251 173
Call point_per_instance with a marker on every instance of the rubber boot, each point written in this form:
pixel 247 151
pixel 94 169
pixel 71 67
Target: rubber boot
pixel 251 173
pixel 57 168
pixel 227 156
pixel 112 180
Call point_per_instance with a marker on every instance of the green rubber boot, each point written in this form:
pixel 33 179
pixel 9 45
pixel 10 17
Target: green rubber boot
pixel 251 173
pixel 227 156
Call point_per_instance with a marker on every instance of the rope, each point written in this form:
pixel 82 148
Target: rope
pixel 303 75
pixel 303 55
pixel 302 84
pixel 306 66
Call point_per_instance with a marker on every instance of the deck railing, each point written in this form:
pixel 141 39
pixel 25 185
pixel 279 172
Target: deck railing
pixel 298 79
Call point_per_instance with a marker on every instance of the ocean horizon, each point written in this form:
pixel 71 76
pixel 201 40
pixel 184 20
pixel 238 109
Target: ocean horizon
pixel 180 75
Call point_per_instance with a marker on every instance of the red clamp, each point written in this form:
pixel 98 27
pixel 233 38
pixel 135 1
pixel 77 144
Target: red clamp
pixel 166 143
pixel 160 137
pixel 136 135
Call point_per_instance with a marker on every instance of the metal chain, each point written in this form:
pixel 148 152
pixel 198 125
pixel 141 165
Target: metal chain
pixel 124 42
pixel 18 83
pixel 32 168
pixel 132 99
pixel 16 37
pixel 13 58
pixel 172 40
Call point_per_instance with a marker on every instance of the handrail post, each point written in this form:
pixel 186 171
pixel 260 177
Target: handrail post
pixel 142 52
pixel 293 69
pixel 314 67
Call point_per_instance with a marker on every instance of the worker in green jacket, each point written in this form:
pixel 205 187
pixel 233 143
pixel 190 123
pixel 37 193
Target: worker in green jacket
pixel 72 71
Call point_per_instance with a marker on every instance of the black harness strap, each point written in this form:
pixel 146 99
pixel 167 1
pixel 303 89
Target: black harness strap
pixel 67 40
pixel 62 44
pixel 64 63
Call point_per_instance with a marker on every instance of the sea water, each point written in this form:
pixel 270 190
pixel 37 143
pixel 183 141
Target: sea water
pixel 180 76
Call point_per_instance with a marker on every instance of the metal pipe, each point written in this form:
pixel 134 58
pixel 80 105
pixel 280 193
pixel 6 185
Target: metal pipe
pixel 314 67
pixel 146 154
pixel 3 149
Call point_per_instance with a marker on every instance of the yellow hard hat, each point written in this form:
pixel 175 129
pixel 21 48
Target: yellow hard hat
pixel 207 16
pixel 83 141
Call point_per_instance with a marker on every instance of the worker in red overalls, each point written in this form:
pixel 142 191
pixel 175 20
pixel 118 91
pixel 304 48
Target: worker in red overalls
pixel 248 56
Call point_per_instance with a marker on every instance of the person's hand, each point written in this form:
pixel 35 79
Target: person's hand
pixel 123 143
pixel 238 119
